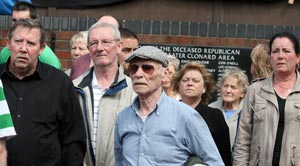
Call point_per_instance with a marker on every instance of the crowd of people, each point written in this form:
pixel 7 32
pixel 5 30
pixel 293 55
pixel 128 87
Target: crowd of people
pixel 121 104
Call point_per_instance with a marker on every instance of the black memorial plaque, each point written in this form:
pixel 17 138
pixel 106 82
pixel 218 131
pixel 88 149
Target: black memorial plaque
pixel 216 59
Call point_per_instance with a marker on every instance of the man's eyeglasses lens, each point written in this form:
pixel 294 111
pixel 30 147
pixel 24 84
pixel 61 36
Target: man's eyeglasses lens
pixel 148 69
pixel 104 43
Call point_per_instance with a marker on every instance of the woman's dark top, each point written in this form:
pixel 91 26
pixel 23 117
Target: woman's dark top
pixel 277 148
pixel 217 125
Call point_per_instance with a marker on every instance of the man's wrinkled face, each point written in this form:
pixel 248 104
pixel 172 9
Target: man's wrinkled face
pixel 103 47
pixel 146 76
pixel 25 48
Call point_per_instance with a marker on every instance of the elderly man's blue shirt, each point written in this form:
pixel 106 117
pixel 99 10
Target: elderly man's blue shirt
pixel 170 134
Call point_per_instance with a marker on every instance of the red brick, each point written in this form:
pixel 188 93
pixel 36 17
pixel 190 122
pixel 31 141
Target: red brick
pixel 198 41
pixel 213 41
pixel 66 63
pixel 184 40
pixel 64 35
pixel 253 42
pixel 173 40
pixel 224 41
pixel 63 54
pixel 158 39
pixel 2 42
pixel 145 39
pixel 236 42
pixel 62 45
pixel 3 33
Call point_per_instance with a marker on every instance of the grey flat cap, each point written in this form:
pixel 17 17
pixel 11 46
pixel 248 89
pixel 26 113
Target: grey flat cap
pixel 149 52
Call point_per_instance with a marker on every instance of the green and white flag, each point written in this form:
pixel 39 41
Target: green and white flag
pixel 6 125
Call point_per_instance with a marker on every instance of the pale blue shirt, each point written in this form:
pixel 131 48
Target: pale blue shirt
pixel 229 113
pixel 170 134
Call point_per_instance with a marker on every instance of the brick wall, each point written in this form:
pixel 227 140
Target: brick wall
pixel 61 29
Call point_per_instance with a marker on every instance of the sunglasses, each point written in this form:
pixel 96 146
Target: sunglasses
pixel 148 69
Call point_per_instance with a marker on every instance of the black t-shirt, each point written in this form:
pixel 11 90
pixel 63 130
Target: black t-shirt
pixel 277 148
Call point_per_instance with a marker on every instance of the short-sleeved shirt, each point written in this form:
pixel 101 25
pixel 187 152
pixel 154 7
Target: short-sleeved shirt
pixel 6 125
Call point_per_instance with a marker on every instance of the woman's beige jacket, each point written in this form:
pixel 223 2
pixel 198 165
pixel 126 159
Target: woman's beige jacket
pixel 257 128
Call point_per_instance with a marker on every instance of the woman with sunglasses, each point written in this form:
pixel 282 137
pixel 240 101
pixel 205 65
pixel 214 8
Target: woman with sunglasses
pixel 196 85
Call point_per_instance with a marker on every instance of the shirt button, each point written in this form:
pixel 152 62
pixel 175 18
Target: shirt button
pixel 142 154
pixel 20 98
pixel 144 135
pixel 18 116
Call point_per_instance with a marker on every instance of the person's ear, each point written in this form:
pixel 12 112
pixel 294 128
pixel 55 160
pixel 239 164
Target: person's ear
pixel 42 48
pixel 119 49
pixel 7 43
pixel 166 71
pixel 242 96
pixel 204 90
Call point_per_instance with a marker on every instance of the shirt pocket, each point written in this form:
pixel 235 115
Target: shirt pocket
pixel 295 152
pixel 297 107
pixel 258 111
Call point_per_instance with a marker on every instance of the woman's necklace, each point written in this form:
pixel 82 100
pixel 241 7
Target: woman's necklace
pixel 288 89
pixel 282 87
pixel 286 84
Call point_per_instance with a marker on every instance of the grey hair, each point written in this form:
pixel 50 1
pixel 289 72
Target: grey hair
pixel 173 61
pixel 239 75
pixel 115 30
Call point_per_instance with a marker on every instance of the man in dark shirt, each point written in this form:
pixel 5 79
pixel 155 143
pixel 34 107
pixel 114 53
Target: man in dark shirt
pixel 43 104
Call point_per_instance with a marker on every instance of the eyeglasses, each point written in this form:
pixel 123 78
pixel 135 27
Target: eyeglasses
pixel 104 43
pixel 148 69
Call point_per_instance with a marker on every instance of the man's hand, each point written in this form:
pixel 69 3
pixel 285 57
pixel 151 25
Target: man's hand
pixel 3 152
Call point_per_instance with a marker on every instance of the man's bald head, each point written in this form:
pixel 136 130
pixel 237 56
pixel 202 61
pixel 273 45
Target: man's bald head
pixel 109 19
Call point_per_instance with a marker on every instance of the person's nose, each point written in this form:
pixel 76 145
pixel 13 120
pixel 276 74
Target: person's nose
pixel 280 54
pixel 23 46
pixel 139 73
pixel 228 89
pixel 77 52
pixel 190 82
pixel 100 46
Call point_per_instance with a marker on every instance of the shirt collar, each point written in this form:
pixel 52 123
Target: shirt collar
pixel 40 71
pixel 136 104
pixel 94 81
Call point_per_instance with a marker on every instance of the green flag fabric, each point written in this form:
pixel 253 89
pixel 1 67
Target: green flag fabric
pixel 6 125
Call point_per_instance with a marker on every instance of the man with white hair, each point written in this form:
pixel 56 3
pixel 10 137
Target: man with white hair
pixel 104 91
pixel 155 129
pixel 83 63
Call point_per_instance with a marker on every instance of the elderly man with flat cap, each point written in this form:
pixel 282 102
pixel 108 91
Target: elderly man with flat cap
pixel 156 129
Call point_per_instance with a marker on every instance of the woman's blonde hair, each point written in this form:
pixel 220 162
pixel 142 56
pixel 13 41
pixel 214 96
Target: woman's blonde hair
pixel 80 37
pixel 260 57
